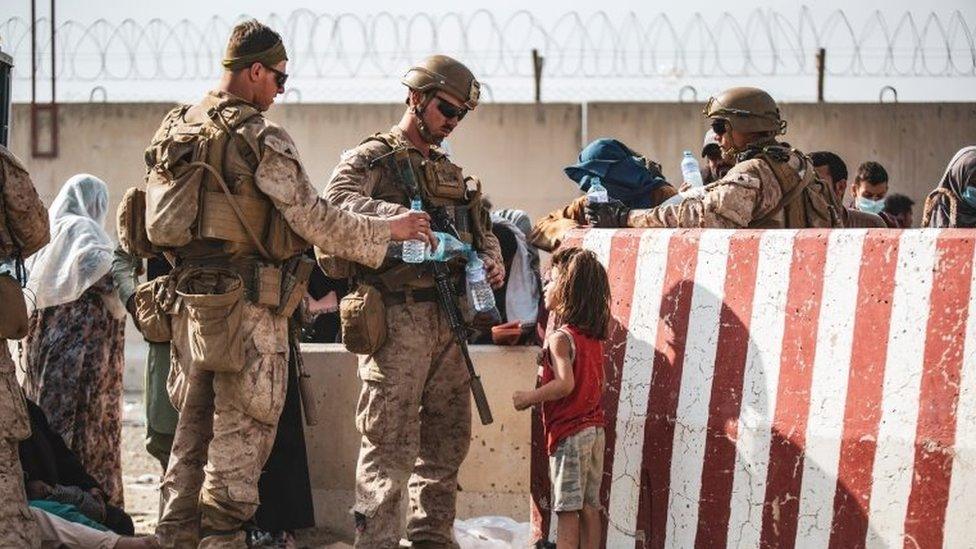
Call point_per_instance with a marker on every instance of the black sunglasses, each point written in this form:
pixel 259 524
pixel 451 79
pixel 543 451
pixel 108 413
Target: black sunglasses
pixel 280 77
pixel 719 126
pixel 450 111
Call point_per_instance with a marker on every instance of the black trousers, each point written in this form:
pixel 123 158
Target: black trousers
pixel 284 486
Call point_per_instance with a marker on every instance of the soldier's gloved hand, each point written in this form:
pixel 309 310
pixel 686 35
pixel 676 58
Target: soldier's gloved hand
pixel 607 214
pixel 412 226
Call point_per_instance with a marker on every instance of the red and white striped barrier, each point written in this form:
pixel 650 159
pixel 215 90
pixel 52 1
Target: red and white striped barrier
pixel 786 388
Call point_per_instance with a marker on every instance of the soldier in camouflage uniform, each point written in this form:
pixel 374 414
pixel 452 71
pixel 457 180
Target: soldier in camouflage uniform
pixel 24 228
pixel 770 185
pixel 414 411
pixel 227 420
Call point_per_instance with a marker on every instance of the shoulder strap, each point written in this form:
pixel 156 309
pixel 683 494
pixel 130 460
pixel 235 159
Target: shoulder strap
pixel 791 189
pixel 389 141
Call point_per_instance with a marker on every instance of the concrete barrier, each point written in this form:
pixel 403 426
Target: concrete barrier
pixel 495 476
pixel 787 388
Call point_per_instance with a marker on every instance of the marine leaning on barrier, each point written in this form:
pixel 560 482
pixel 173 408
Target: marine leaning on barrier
pixel 771 184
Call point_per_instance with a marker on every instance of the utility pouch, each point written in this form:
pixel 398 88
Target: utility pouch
pixel 131 225
pixel 153 302
pixel 214 303
pixel 13 309
pixel 363 317
pixel 173 186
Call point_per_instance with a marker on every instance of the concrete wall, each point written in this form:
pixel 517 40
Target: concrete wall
pixel 519 150
pixel 495 477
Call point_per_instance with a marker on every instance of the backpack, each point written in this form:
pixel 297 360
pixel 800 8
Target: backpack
pixel 24 224
pixel 184 161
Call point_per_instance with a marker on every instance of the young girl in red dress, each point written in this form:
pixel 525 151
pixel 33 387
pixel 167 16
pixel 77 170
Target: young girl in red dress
pixel 578 295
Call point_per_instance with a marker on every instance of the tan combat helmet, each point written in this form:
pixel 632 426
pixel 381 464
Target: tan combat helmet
pixel 440 72
pixel 746 110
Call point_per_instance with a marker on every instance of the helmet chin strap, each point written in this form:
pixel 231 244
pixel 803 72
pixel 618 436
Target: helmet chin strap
pixel 422 129
pixel 730 154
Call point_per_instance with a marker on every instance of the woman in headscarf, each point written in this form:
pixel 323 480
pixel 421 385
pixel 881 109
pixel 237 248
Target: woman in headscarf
pixel 75 352
pixel 953 202
pixel 627 176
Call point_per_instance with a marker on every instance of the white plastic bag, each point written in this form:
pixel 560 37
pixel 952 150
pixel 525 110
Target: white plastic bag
pixel 492 533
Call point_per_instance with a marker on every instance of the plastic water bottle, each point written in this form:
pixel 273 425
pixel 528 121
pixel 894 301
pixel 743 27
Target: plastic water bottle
pixel 597 193
pixel 414 250
pixel 690 170
pixel 448 248
pixel 479 291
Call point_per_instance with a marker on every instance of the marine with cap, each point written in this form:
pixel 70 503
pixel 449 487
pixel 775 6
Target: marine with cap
pixel 24 228
pixel 771 185
pixel 414 412
pixel 254 214
pixel 714 165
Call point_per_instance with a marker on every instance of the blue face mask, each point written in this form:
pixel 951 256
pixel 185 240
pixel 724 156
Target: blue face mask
pixel 969 195
pixel 870 206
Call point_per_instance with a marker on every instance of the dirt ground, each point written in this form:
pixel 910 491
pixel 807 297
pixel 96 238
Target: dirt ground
pixel 141 474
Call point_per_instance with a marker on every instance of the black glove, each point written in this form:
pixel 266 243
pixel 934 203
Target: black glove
pixel 607 215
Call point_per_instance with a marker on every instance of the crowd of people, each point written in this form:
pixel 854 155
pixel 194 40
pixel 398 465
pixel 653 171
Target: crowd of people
pixel 224 282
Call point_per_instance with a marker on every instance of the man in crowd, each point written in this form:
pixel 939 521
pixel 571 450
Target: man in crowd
pixel 414 410
pixel 24 229
pixel 230 392
pixel 714 165
pixel 870 187
pixel 770 185
pixel 899 207
pixel 832 170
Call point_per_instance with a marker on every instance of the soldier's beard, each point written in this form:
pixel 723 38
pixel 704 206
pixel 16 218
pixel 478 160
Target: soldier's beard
pixel 423 129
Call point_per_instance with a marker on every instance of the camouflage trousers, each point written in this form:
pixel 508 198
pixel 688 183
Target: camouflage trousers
pixel 17 526
pixel 414 414
pixel 224 435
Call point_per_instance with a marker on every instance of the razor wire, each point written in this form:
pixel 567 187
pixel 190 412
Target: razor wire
pixel 381 45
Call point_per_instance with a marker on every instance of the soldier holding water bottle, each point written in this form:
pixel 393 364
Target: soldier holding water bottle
pixel 414 411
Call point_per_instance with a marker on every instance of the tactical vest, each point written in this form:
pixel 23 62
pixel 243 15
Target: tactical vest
pixel 807 202
pixel 201 199
pixel 441 185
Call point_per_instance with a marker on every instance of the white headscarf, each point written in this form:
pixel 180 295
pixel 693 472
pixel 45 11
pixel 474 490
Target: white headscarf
pixel 80 251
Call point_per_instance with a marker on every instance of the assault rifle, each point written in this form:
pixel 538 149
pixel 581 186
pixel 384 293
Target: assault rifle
pixel 446 291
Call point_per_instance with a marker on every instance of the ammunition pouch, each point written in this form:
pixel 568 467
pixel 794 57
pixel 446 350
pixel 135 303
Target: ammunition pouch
pixel 363 317
pixel 13 309
pixel 154 303
pixel 213 308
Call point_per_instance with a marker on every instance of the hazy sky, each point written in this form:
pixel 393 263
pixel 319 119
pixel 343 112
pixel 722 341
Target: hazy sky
pixel 192 9
pixel 800 88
